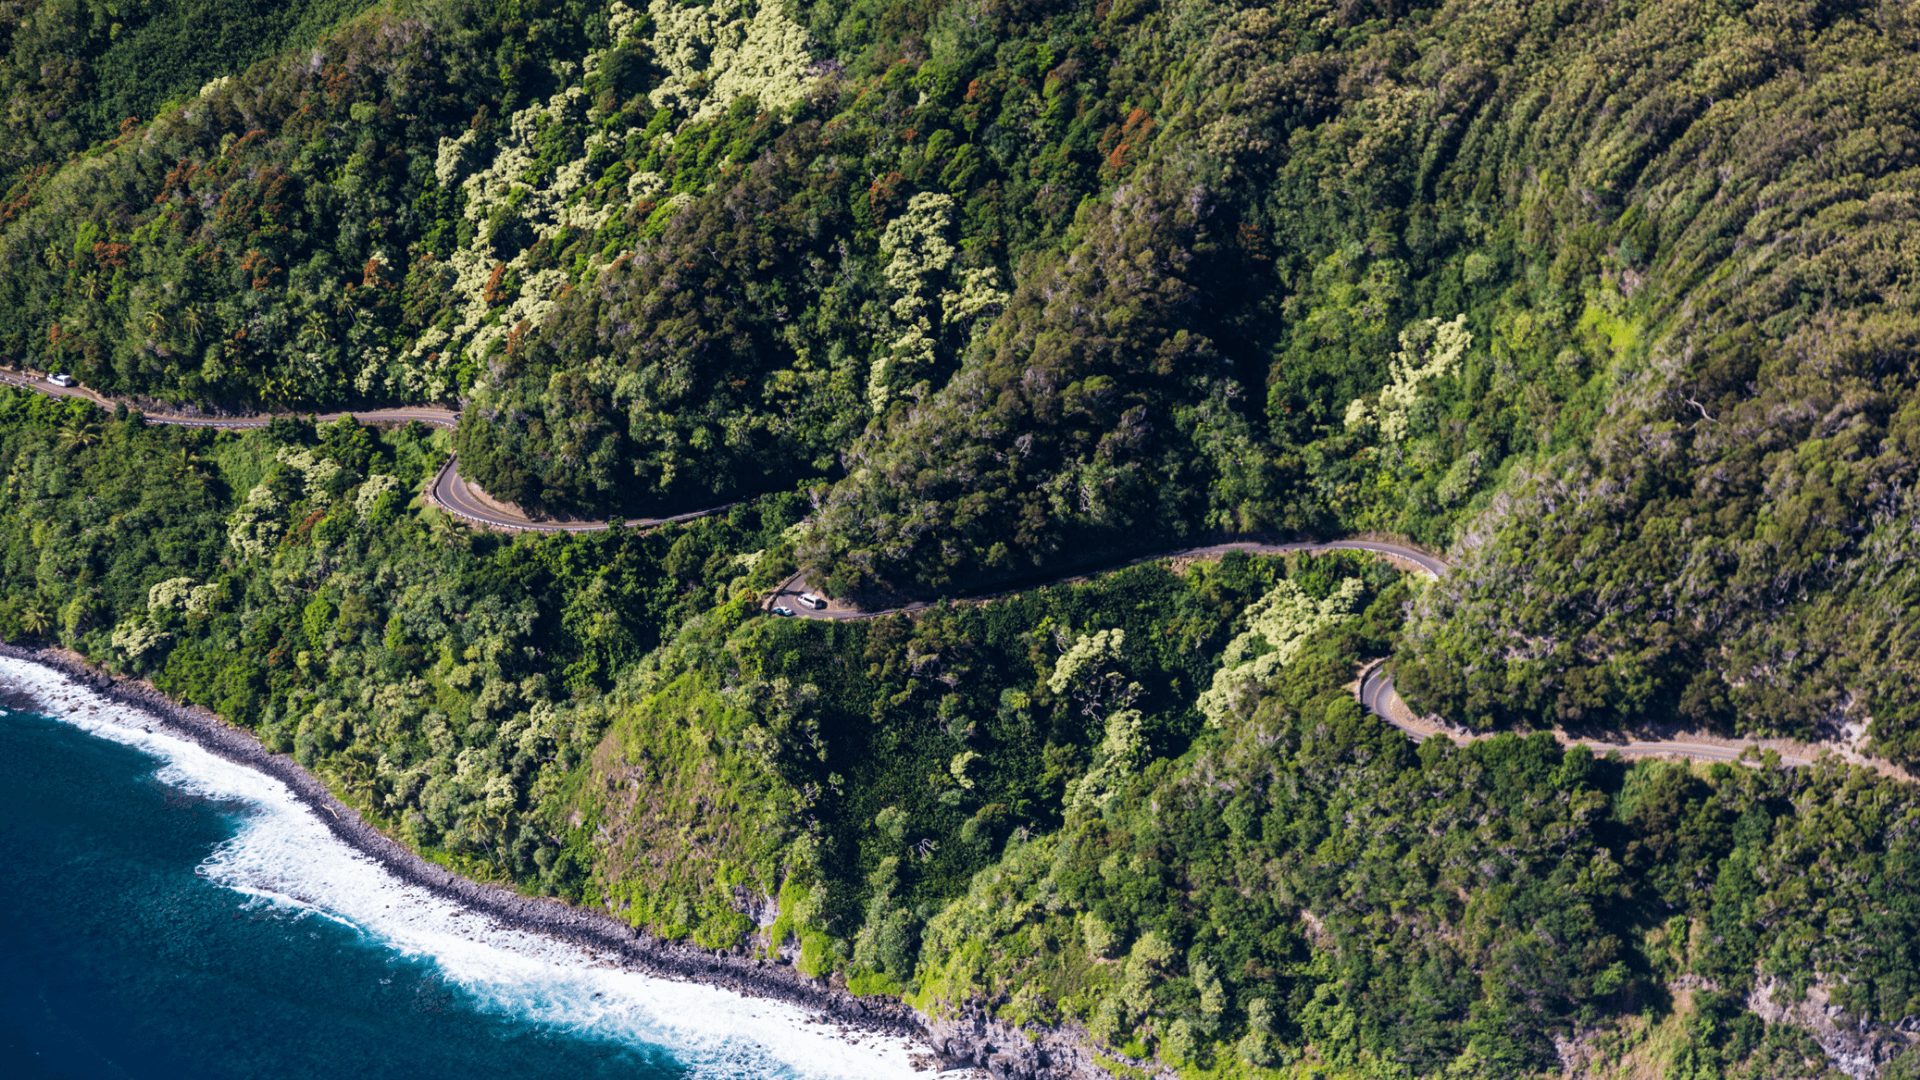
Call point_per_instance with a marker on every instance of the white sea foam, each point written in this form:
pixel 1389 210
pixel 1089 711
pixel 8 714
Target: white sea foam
pixel 283 855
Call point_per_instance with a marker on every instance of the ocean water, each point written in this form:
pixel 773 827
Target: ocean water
pixel 165 913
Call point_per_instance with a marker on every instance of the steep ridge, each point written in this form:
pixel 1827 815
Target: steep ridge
pixel 449 491
pixel 1375 689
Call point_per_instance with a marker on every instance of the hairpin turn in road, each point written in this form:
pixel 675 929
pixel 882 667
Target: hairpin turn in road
pixel 451 493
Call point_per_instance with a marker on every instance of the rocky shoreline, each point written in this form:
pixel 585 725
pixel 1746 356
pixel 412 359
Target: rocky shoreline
pixel 948 1044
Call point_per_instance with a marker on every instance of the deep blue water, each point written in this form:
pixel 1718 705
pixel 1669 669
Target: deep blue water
pixel 118 961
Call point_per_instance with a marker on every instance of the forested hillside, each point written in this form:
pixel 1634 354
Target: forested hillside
pixel 1614 303
pixel 1145 806
pixel 79 71
pixel 1613 298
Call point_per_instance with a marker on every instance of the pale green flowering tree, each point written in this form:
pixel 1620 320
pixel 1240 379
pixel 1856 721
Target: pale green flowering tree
pixel 714 56
pixel 1120 754
pixel 138 636
pixel 204 598
pixel 1429 350
pixel 171 594
pixel 1259 1048
pixel 919 271
pixel 918 258
pixel 719 53
pixel 316 472
pixel 1281 622
pixel 256 526
pixel 377 485
pixel 959 765
pixel 1085 657
pixel 181 594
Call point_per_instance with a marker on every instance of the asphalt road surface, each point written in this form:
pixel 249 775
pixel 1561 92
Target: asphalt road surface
pixel 426 414
pixel 1376 691
pixel 1377 697
pixel 452 494
pixel 788 595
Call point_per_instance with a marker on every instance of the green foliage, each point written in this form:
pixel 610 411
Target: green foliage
pixel 1061 453
pixel 1613 299
pixel 1724 1040
pixel 870 769
pixel 276 239
pixel 600 716
pixel 76 70
pixel 1306 877
pixel 818 955
pixel 450 685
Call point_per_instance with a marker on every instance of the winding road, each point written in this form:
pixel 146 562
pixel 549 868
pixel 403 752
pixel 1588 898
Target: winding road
pixel 448 491
pixel 1375 690
pixel 1375 687
pixel 454 495
pixel 788 595
pixel 426 414
pixel 1377 697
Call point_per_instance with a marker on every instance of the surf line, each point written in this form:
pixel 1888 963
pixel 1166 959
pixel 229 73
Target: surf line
pixel 555 964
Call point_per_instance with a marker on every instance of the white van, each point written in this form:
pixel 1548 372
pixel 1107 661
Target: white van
pixel 813 600
pixel 60 378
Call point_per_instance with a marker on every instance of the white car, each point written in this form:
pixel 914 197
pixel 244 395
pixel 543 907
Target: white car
pixel 783 611
pixel 813 600
pixel 60 378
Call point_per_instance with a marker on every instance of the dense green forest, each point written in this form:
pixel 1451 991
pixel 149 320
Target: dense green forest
pixel 1613 303
pixel 1612 299
pixel 80 71
pixel 1145 804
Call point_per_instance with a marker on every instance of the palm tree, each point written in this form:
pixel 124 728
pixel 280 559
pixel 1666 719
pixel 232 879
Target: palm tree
pixel 35 620
pixel 187 464
pixel 316 327
pixel 446 530
pixel 156 322
pixel 279 389
pixel 190 318
pixel 76 433
pixel 52 255
pixel 90 285
pixel 354 778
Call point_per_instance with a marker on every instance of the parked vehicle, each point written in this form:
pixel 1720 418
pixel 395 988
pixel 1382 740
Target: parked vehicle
pixel 784 611
pixel 813 600
pixel 60 378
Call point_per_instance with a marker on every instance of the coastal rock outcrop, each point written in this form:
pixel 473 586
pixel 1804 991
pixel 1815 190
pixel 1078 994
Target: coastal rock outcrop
pixel 1856 1047
pixel 972 1035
